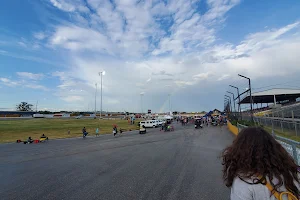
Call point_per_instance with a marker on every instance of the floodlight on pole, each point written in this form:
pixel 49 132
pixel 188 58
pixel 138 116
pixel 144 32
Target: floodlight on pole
pixel 233 100
pixel 226 104
pixel 229 101
pixel 249 81
pixel 101 74
pixel 96 100
pixel 142 94
pixel 238 93
pixel 169 103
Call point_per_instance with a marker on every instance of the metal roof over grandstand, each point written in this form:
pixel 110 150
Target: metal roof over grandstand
pixel 267 96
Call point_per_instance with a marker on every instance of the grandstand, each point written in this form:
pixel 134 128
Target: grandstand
pixel 283 103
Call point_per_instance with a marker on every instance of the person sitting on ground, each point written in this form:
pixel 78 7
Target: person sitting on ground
pixel 84 132
pixel 29 140
pixel 44 137
pixel 257 167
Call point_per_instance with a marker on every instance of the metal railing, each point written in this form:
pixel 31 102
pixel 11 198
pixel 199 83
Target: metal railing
pixel 287 126
pixel 291 111
pixel 291 146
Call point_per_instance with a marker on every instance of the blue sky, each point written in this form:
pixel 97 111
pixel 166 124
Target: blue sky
pixel 52 50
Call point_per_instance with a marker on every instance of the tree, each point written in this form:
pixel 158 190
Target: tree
pixel 24 106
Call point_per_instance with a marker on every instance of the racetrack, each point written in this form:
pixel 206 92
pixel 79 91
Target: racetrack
pixel 183 164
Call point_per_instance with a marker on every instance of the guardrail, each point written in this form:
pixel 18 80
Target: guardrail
pixel 291 146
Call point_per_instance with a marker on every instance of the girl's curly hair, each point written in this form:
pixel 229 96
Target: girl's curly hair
pixel 255 152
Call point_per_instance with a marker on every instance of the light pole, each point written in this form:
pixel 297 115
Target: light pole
pixel 249 80
pixel 101 74
pixel 239 106
pixel 233 100
pixel 96 100
pixel 36 105
pixel 142 94
pixel 169 103
pixel 226 105
pixel 227 102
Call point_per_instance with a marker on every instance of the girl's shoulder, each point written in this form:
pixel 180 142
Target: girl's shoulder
pixel 247 188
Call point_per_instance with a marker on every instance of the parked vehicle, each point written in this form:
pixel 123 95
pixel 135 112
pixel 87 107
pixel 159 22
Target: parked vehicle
pixel 149 123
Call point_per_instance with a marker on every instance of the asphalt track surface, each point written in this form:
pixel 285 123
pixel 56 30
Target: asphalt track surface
pixel 183 165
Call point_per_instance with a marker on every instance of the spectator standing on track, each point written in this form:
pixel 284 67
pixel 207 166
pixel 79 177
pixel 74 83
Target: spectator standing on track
pixel 115 130
pixel 257 167
pixel 97 132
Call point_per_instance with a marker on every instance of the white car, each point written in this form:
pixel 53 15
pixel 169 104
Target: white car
pixel 149 124
pixel 78 117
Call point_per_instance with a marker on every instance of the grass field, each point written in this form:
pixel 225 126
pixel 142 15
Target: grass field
pixel 12 130
pixel 286 134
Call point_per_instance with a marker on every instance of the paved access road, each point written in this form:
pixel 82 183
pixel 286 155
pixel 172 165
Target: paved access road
pixel 181 165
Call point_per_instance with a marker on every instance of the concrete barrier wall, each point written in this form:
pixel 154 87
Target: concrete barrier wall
pixel 233 129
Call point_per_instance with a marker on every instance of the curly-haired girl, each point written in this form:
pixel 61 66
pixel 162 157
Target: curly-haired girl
pixel 257 167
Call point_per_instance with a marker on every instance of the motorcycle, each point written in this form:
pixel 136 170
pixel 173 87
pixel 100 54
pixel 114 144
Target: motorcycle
pixel 198 126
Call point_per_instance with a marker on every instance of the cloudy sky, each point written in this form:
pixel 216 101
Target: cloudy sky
pixel 52 51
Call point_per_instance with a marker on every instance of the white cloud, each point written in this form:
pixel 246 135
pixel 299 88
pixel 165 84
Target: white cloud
pixel 70 5
pixel 128 28
pixel 223 77
pixel 28 75
pixel 35 86
pixel 202 76
pixel 40 35
pixel 261 40
pixel 8 82
pixel 73 98
pixel 22 44
pixel 63 5
pixel 76 38
pixel 22 83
